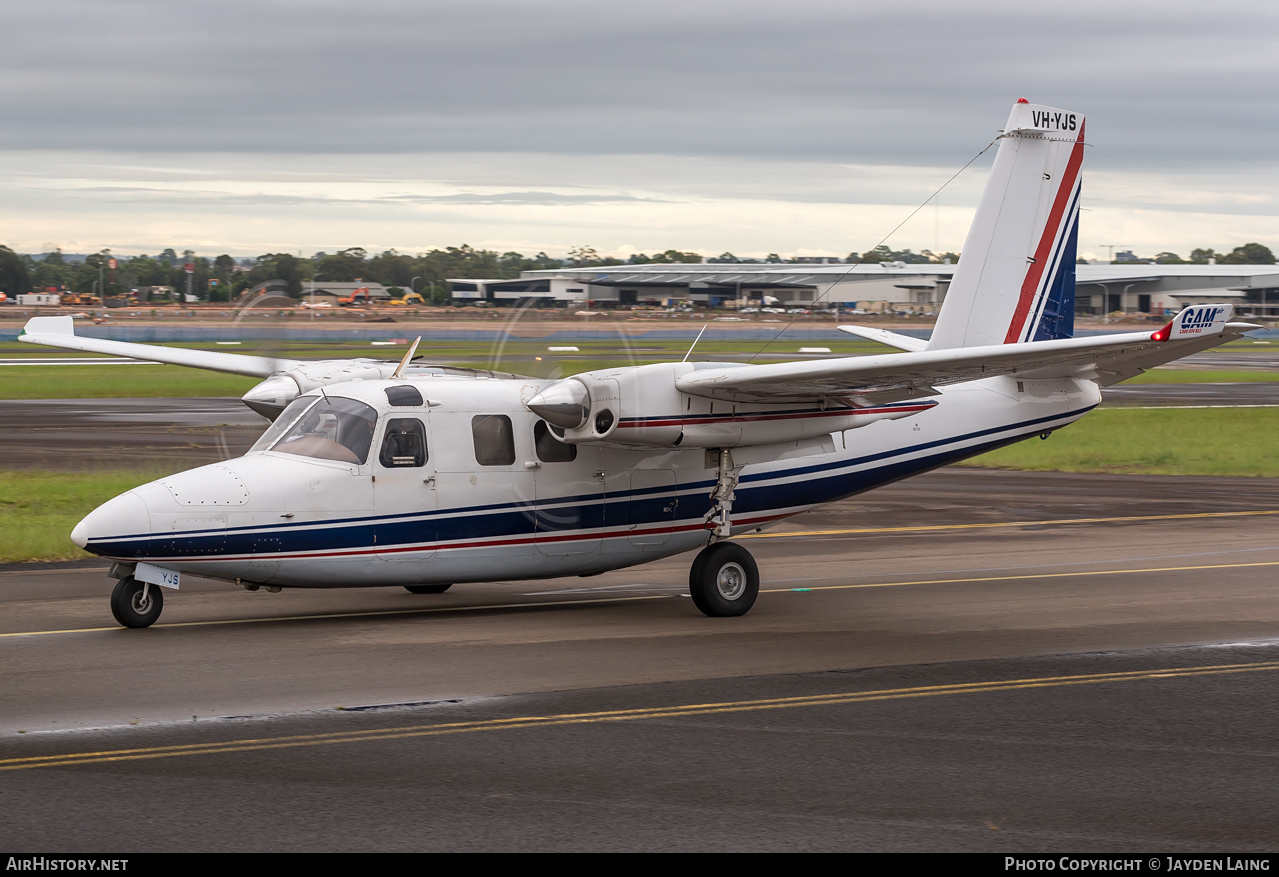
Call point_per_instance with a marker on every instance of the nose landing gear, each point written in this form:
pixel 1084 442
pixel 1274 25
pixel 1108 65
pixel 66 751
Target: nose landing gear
pixel 135 603
pixel 724 580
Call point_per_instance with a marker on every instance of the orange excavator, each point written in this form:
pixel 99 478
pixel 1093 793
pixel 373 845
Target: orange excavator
pixel 359 297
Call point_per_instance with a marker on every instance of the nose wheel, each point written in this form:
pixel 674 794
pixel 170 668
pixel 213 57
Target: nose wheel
pixel 135 603
pixel 724 580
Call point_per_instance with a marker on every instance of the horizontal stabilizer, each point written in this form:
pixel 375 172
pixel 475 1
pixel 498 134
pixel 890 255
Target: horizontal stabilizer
pixel 1199 320
pixel 883 336
pixel 60 332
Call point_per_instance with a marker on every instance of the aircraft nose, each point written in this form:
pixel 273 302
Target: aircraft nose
pixel 126 515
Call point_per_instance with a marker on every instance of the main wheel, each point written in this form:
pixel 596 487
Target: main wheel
pixel 427 589
pixel 724 580
pixel 131 608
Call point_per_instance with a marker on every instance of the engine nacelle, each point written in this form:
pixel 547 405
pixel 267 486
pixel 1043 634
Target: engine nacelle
pixel 273 395
pixel 641 407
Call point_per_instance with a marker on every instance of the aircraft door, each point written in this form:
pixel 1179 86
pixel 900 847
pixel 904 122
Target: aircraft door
pixel 486 484
pixel 568 485
pixel 404 490
pixel 651 507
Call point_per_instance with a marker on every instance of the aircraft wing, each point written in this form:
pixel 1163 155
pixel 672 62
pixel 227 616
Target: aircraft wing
pixel 60 332
pixel 861 380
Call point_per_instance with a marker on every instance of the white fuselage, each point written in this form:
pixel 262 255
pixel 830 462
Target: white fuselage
pixel 277 518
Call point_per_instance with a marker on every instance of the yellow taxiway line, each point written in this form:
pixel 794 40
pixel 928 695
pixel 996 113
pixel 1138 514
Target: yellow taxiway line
pixel 678 711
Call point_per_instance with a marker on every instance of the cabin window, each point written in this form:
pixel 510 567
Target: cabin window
pixel 404 396
pixel 334 428
pixel 403 444
pixel 549 448
pixel 494 439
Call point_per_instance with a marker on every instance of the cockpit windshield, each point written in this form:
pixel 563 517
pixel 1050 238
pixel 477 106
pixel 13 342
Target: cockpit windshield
pixel 325 428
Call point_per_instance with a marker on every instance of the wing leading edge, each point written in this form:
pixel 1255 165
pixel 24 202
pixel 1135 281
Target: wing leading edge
pixel 60 332
pixel 863 380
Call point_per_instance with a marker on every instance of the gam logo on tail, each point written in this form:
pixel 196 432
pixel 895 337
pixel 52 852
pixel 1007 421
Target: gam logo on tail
pixel 1195 320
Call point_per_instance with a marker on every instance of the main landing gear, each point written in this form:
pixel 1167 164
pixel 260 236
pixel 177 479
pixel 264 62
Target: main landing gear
pixel 724 580
pixel 427 589
pixel 135 603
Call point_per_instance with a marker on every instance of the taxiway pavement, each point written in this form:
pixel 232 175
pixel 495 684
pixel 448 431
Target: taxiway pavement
pixel 870 700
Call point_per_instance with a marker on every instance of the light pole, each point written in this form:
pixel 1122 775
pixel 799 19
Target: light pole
pixel 102 262
pixel 312 282
pixel 189 266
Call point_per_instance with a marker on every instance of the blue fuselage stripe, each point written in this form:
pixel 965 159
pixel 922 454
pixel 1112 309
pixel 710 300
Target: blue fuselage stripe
pixel 759 492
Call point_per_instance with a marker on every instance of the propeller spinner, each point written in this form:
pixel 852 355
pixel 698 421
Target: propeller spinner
pixel 565 404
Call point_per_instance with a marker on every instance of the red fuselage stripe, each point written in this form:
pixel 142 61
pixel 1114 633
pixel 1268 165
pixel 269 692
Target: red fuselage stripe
pixel 754 418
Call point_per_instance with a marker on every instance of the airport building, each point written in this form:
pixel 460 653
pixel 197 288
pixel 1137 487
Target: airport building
pixel 890 287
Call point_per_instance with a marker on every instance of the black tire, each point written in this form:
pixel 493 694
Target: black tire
pixel 427 589
pixel 127 605
pixel 724 580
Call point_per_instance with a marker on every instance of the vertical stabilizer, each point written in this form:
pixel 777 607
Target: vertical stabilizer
pixel 1016 276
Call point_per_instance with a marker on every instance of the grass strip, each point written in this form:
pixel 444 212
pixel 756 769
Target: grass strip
pixel 1196 376
pixel 117 382
pixel 1166 441
pixel 38 509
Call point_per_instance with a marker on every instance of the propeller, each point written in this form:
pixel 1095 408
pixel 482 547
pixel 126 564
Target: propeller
pixel 508 325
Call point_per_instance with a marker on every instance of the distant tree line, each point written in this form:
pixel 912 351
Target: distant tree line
pixel 225 277
pixel 1248 254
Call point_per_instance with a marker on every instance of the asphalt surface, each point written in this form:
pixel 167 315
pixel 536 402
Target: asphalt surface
pixel 1198 395
pixel 92 434
pixel 968 660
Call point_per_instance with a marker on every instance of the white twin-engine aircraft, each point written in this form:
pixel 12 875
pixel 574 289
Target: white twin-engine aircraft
pixel 377 474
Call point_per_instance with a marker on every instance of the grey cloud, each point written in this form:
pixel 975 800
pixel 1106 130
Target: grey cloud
pixel 907 83
pixel 136 194
pixel 516 198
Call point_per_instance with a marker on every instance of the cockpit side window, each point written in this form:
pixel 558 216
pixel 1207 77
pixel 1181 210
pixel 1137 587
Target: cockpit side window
pixel 494 439
pixel 403 444
pixel 334 428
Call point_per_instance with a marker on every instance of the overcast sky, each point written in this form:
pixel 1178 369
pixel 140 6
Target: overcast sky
pixel 804 128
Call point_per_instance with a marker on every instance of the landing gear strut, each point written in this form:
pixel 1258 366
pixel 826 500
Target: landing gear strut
pixel 719 520
pixel 135 603
pixel 724 580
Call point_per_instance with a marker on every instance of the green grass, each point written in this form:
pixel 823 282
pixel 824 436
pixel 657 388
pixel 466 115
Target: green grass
pixel 1194 376
pixel 116 381
pixel 39 509
pixel 1166 441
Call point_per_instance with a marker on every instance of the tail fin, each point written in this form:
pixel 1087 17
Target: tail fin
pixel 1016 276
